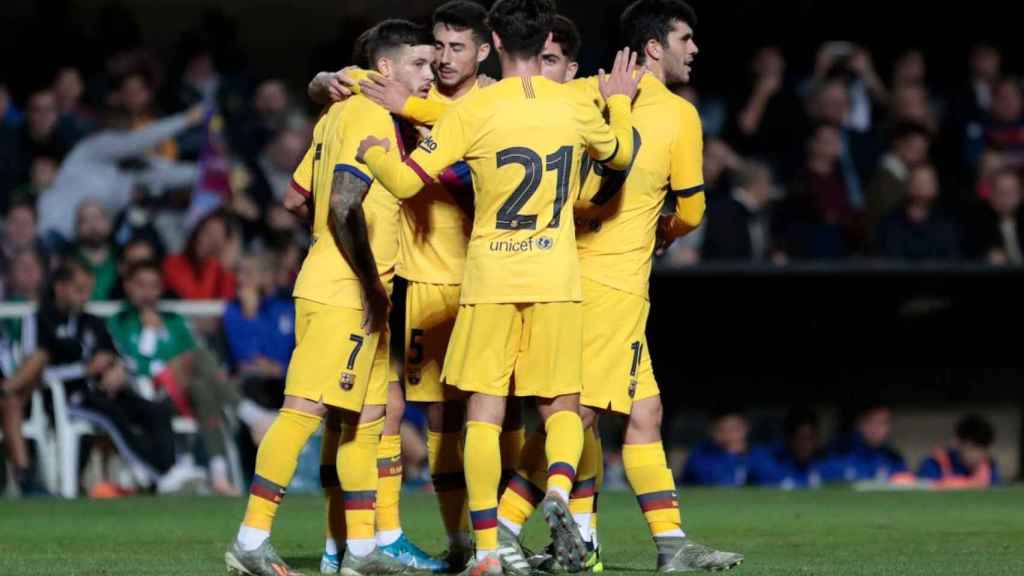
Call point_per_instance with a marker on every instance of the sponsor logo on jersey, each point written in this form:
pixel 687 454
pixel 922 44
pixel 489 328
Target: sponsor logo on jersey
pixel 428 144
pixel 543 243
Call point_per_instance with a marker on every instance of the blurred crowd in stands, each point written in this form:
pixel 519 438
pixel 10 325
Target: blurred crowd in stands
pixel 139 183
pixel 860 452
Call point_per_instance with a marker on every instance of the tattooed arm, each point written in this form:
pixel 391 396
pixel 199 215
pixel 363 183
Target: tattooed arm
pixel 348 227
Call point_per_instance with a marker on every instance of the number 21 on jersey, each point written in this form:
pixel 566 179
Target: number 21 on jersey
pixel 560 162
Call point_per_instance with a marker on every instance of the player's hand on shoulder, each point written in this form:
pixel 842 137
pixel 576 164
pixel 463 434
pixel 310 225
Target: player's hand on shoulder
pixel 327 87
pixel 370 142
pixel 624 77
pixel 389 94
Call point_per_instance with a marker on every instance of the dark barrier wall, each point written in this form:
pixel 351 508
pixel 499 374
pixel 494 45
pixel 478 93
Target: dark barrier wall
pixel 838 334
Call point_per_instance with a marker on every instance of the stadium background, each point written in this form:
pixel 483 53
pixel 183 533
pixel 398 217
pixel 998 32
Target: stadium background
pixel 934 339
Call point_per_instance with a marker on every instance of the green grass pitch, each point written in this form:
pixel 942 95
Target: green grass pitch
pixel 796 533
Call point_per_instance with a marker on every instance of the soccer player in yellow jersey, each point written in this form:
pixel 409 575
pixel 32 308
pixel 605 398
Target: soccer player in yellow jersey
pixel 618 227
pixel 341 355
pixel 519 306
pixel 435 233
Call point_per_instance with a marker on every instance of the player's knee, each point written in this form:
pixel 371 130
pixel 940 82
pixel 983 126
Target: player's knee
pixel 588 416
pixel 396 406
pixel 486 408
pixel 550 406
pixel 646 417
pixel 371 414
pixel 305 406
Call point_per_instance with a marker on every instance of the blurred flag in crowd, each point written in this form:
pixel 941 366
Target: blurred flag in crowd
pixel 213 187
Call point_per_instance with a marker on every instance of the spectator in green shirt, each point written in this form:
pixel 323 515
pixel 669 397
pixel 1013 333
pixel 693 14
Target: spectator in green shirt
pixel 159 345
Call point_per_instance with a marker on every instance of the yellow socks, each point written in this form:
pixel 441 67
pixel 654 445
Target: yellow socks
pixel 581 500
pixel 654 486
pixel 483 474
pixel 389 488
pixel 357 458
pixel 525 488
pixel 512 442
pixel 275 465
pixel 444 456
pixel 563 448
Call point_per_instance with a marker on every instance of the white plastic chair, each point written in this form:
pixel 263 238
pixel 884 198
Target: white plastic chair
pixel 69 433
pixel 36 428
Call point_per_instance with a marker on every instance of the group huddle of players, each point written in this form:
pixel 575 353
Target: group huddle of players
pixel 523 214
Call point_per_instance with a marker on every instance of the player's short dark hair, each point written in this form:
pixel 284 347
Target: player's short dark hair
pixel 975 429
pixel 464 15
pixel 359 56
pixel 394 33
pixel 646 20
pixel 522 25
pixel 565 33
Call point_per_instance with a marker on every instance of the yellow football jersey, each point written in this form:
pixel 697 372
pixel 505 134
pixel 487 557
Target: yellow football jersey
pixel 326 277
pixel 436 224
pixel 616 226
pixel 520 138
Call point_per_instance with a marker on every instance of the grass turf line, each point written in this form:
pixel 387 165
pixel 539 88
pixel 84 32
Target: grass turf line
pixel 831 532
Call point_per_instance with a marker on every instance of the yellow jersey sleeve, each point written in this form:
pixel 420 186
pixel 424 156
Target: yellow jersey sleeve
pixel 326 277
pixel 587 87
pixel 302 178
pixel 424 111
pixel 611 143
pixel 686 173
pixel 446 145
pixel 343 144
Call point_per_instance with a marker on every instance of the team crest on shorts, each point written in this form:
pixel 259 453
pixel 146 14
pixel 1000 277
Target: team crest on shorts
pixel 632 388
pixel 348 380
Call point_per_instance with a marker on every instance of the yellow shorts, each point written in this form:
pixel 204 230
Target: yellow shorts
pixel 617 367
pixel 430 311
pixel 335 361
pixel 539 344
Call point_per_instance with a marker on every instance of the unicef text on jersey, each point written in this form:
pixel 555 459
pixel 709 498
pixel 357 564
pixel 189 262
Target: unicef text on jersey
pixel 543 243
